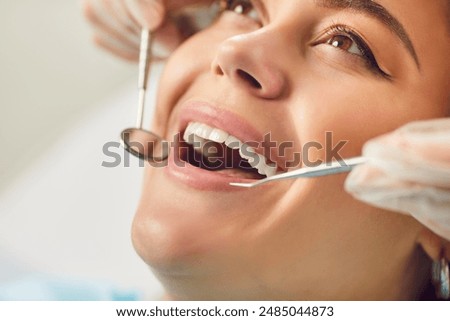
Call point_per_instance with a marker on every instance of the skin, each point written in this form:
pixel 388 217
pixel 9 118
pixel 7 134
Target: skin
pixel 299 239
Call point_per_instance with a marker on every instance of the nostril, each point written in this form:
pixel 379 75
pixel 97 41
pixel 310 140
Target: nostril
pixel 218 70
pixel 249 78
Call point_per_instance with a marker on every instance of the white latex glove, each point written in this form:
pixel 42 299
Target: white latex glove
pixel 118 23
pixel 409 172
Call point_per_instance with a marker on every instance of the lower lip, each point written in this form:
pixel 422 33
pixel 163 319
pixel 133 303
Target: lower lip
pixel 201 179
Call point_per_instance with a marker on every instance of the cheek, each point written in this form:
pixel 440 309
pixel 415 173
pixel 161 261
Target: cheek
pixel 351 111
pixel 190 61
pixel 181 70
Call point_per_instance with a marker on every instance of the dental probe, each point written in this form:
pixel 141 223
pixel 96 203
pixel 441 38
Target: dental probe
pixel 342 166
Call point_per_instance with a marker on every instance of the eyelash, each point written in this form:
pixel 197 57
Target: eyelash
pixel 333 31
pixel 367 55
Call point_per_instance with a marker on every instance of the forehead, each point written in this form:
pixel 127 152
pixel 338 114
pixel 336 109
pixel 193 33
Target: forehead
pixel 426 22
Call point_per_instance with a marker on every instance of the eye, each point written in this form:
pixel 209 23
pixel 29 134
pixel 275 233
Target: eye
pixel 346 39
pixel 241 7
pixel 345 43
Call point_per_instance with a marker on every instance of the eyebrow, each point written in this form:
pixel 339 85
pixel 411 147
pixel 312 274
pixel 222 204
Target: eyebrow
pixel 377 11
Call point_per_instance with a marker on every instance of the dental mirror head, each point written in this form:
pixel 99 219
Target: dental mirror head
pixel 138 141
pixel 144 144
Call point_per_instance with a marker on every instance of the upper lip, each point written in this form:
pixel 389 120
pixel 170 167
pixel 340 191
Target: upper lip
pixel 230 122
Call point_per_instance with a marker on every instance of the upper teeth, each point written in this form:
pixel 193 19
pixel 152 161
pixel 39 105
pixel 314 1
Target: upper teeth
pixel 196 134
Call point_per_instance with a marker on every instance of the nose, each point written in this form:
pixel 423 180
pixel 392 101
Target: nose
pixel 248 61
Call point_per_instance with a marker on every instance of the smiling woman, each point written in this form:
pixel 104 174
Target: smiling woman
pixel 289 74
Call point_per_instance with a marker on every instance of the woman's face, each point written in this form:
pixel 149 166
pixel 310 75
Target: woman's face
pixel 294 69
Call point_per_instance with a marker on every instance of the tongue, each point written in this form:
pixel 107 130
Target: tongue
pixel 225 161
pixel 235 172
pixel 235 165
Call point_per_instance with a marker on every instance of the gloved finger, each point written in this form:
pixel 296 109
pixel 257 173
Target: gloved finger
pixel 148 13
pixel 428 204
pixel 117 48
pixel 408 172
pixel 118 30
pixel 179 4
pixel 378 187
pixel 171 30
pixel 418 152
pixel 100 12
pixel 128 53
pixel 103 31
pixel 119 11
pixel 108 29
pixel 122 48
pixel 151 14
pixel 430 139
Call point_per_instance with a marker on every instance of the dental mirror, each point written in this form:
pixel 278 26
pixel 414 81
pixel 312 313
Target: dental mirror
pixel 138 141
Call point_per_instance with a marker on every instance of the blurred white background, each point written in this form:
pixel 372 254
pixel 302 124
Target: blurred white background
pixel 61 99
pixel 51 75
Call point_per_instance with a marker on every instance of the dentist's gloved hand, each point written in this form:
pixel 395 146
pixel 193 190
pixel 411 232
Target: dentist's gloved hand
pixel 118 23
pixel 409 172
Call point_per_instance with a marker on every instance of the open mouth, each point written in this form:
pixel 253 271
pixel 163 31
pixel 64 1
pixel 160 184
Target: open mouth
pixel 213 149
